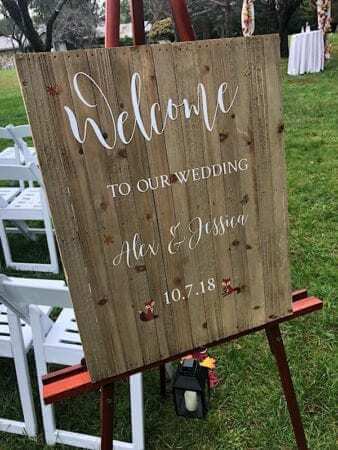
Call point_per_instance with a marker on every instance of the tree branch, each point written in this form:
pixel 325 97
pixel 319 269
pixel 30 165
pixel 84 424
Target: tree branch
pixel 50 23
pixel 199 13
pixel 14 11
pixel 18 11
pixel 219 3
pixel 28 27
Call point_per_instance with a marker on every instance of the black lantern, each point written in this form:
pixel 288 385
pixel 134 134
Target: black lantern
pixel 189 388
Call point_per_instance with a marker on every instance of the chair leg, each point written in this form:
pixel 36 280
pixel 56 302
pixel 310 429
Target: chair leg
pixel 5 244
pixel 22 374
pixel 51 247
pixel 41 368
pixel 137 414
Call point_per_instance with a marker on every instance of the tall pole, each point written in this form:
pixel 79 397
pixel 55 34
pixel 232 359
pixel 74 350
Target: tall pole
pixel 182 20
pixel 112 23
pixel 137 18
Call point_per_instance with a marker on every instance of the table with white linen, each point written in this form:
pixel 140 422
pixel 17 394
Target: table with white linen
pixel 306 53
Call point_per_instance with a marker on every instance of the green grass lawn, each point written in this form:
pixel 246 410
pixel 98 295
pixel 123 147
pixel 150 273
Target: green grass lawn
pixel 248 411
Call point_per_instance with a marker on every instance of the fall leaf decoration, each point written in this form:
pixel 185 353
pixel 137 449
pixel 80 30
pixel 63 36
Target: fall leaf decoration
pixel 148 314
pixel 209 363
pixel 227 288
pixel 54 90
pixel 213 379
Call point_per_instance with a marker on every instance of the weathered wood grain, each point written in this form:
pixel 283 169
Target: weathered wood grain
pixel 112 293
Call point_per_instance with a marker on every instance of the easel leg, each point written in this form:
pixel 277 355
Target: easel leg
pixel 107 411
pixel 278 350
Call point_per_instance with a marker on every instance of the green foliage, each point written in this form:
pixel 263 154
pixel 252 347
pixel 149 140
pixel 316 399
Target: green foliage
pixel 266 20
pixel 156 10
pixel 126 41
pixel 209 18
pixel 70 21
pixel 212 19
pixel 70 29
pixel 306 13
pixel 162 30
pixel 334 4
pixel 6 27
pixel 125 12
pixel 42 10
pixel 247 409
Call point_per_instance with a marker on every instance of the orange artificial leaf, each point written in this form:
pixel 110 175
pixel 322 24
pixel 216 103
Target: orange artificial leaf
pixel 209 363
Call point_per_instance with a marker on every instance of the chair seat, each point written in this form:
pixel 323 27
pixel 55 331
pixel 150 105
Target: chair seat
pixel 63 344
pixel 9 193
pixel 5 338
pixel 9 154
pixel 27 205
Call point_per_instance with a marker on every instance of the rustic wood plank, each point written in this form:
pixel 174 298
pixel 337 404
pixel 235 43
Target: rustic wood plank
pixel 187 78
pixel 162 328
pixel 279 180
pixel 164 202
pixel 236 241
pixel 269 173
pixel 115 165
pixel 59 171
pixel 214 154
pixel 87 202
pixel 249 200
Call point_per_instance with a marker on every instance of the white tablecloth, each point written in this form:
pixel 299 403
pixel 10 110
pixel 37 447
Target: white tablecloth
pixel 306 53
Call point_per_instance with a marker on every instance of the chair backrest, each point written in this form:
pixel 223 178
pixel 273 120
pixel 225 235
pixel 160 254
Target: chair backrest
pixel 18 293
pixel 27 172
pixel 17 134
pixel 20 132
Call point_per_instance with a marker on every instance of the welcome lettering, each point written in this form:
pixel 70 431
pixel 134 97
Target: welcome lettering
pixel 186 107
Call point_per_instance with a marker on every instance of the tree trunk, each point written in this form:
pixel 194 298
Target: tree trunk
pixel 285 13
pixel 284 41
pixel 227 19
pixel 28 28
pixel 34 40
pixel 50 25
pixel 20 14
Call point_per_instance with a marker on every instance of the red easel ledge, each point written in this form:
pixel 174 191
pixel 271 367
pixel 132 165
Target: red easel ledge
pixel 74 380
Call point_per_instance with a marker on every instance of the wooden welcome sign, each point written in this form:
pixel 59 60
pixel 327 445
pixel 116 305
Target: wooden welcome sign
pixel 165 174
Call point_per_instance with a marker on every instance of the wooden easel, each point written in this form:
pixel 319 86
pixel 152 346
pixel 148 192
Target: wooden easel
pixel 75 380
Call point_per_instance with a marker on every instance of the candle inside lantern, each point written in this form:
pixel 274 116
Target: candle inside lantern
pixel 191 402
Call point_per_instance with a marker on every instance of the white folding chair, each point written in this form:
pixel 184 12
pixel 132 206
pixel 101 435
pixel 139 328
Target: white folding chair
pixel 15 342
pixel 59 343
pixel 7 195
pixel 30 204
pixel 20 153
